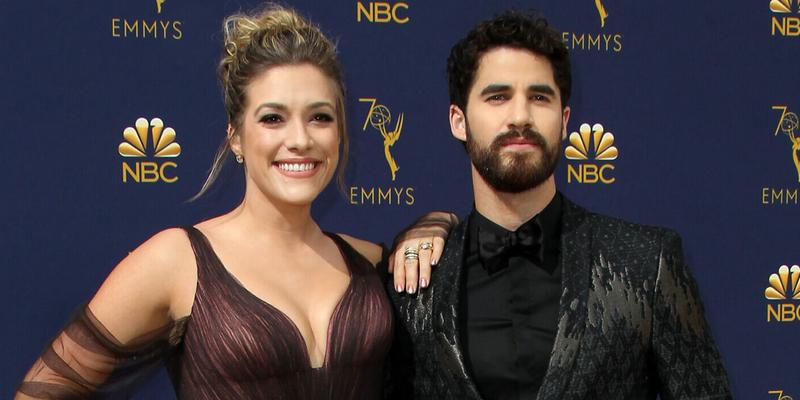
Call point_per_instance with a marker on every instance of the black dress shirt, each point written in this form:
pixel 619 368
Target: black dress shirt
pixel 509 317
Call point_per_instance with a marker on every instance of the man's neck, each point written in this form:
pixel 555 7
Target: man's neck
pixel 510 210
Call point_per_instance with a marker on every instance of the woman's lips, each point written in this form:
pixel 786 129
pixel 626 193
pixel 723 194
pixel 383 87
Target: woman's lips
pixel 297 169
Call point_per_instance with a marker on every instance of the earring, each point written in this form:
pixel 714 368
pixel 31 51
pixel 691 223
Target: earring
pixel 239 158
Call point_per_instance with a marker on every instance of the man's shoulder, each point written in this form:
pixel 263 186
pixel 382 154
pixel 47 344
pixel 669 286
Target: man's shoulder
pixel 633 249
pixel 613 230
pixel 610 224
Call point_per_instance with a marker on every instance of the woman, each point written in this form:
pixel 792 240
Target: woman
pixel 259 302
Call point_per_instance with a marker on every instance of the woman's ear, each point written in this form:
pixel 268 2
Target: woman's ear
pixel 235 140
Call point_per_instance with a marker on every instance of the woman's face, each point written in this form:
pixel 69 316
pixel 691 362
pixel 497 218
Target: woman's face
pixel 289 137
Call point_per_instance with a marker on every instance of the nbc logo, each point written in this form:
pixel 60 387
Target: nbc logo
pixel 783 286
pixel 382 12
pixel 785 25
pixel 591 142
pixel 780 6
pixel 136 145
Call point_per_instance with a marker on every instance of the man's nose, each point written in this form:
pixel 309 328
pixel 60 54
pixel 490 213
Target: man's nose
pixel 521 116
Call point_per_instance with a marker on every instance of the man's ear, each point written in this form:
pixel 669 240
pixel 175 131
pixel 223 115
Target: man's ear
pixel 235 140
pixel 458 123
pixel 564 121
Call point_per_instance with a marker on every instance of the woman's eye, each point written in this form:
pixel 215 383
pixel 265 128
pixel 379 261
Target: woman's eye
pixel 271 119
pixel 322 117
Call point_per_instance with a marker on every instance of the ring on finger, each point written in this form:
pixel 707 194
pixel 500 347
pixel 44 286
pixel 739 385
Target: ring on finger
pixel 411 253
pixel 413 256
pixel 426 246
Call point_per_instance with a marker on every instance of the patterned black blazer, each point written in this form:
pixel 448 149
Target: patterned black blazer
pixel 630 326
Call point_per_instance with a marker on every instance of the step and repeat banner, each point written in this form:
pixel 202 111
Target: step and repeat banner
pixel 694 106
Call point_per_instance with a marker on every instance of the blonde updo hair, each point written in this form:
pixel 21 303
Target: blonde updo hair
pixel 261 40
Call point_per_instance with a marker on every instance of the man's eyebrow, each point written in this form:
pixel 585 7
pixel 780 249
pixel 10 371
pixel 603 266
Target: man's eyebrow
pixel 495 88
pixel 542 88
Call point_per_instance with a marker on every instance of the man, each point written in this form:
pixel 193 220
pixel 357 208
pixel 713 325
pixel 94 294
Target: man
pixel 534 296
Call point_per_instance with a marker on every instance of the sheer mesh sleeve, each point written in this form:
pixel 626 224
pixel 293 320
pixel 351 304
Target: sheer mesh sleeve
pixel 86 360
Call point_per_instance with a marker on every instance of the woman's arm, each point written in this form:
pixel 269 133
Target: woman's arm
pixel 127 323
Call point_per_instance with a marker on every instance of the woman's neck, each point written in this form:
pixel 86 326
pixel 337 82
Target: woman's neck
pixel 257 218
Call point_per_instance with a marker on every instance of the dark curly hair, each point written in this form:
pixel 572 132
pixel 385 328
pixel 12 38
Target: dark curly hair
pixel 513 29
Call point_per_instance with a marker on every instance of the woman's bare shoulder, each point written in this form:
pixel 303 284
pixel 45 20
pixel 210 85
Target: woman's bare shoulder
pixel 166 248
pixel 154 283
pixel 159 257
pixel 369 250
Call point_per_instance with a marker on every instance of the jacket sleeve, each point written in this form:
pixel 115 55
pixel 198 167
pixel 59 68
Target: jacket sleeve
pixel 687 360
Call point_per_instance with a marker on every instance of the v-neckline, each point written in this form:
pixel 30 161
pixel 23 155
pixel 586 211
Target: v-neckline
pixel 283 315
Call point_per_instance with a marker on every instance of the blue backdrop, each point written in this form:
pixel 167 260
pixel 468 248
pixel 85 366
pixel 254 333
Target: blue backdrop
pixel 699 97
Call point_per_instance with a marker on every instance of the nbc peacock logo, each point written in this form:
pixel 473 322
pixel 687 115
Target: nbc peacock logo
pixel 780 6
pixel 784 25
pixel 591 143
pixel 783 288
pixel 149 138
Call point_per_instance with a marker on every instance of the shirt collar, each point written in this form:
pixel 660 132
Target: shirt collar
pixel 549 217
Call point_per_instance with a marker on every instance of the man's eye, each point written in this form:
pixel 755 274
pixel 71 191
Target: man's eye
pixel 322 117
pixel 496 97
pixel 540 97
pixel 271 119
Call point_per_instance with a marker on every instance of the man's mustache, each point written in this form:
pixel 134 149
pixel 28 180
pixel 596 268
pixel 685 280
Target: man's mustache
pixel 529 135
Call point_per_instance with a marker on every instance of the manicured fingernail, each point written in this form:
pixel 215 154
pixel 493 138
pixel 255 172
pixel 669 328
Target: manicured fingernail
pixel 423 283
pixel 434 261
pixel 411 289
pixel 399 288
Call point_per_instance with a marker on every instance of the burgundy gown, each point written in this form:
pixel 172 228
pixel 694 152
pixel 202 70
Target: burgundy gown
pixel 233 346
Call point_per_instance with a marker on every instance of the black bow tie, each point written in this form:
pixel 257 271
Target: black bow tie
pixel 495 248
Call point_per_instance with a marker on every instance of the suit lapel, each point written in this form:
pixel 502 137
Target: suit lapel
pixel 445 296
pixel 576 250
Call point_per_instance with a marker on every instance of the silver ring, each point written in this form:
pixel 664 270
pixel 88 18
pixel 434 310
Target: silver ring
pixel 411 253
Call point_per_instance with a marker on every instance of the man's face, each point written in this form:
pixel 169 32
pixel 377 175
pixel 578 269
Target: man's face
pixel 514 122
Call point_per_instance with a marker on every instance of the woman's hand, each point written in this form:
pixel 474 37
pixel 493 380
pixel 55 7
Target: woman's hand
pixel 417 248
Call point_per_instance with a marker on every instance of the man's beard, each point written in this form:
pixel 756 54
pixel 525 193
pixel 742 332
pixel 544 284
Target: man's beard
pixel 513 172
